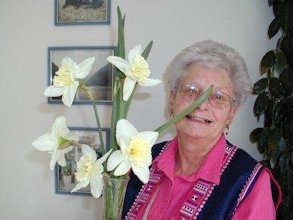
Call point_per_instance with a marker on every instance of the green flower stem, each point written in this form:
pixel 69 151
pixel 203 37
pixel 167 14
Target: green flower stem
pixel 90 96
pixel 99 127
pixel 119 106
pixel 187 110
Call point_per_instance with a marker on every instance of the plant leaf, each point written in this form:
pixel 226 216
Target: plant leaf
pixel 275 87
pixel 260 86
pixel 274 135
pixel 274 27
pixel 267 61
pixel 263 141
pixel 285 12
pixel 121 38
pixel 288 130
pixel 147 50
pixel 287 47
pixel 261 103
pixel 255 135
pixel 201 99
pixel 280 62
pixel 277 113
pixel 286 78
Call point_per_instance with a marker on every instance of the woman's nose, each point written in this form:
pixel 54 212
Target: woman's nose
pixel 205 105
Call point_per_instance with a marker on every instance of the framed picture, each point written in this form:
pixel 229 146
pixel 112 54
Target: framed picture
pixel 65 176
pixel 82 12
pixel 99 80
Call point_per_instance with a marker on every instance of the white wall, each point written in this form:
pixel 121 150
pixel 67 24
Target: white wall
pixel 27 29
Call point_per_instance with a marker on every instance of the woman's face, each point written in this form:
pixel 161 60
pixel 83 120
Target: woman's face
pixel 207 121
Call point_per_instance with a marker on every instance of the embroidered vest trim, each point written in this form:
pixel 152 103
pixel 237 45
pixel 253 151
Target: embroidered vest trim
pixel 202 190
pixel 195 200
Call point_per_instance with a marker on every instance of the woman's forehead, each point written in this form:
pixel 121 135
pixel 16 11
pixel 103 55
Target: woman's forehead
pixel 203 77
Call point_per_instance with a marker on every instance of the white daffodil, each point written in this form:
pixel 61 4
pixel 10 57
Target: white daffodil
pixel 136 70
pixel 135 151
pixel 54 142
pixel 89 171
pixel 66 80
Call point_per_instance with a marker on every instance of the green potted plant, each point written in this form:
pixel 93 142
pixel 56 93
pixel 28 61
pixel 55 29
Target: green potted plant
pixel 274 103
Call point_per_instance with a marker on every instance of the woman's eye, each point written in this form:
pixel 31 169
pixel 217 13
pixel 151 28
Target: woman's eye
pixel 218 96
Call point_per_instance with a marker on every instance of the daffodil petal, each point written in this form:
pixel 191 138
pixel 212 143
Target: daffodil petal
pixel 66 150
pixel 59 128
pixel 151 82
pixel 123 146
pixel 118 62
pixel 134 52
pixel 104 157
pixel 53 91
pixel 44 143
pixel 69 94
pixel 60 158
pixel 87 150
pixel 125 130
pixel 96 184
pixel 67 60
pixel 53 160
pixel 128 88
pixel 85 68
pixel 150 136
pixel 114 159
pixel 100 168
pixel 122 168
pixel 142 173
pixel 80 185
pixel 72 136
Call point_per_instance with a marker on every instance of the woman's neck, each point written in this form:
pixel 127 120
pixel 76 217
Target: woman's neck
pixel 191 153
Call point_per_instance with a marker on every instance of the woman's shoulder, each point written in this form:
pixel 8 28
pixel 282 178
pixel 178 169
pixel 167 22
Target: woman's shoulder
pixel 157 148
pixel 242 155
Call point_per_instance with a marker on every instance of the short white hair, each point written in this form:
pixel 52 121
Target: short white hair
pixel 212 55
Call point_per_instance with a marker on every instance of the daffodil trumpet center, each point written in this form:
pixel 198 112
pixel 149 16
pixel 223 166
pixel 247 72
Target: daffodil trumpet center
pixel 140 69
pixel 138 151
pixel 64 143
pixel 63 76
pixel 86 168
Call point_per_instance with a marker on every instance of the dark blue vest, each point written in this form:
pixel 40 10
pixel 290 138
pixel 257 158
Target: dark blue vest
pixel 224 198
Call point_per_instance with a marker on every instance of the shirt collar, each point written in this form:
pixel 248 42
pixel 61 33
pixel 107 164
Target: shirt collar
pixel 210 169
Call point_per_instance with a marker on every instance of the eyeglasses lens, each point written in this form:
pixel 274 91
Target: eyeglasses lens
pixel 217 99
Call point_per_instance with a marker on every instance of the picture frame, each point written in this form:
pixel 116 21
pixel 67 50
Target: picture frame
pixel 82 12
pixel 65 176
pixel 99 80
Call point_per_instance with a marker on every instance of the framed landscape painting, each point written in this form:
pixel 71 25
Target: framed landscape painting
pixel 82 12
pixel 99 80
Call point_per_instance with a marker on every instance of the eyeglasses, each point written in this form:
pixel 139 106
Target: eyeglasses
pixel 217 99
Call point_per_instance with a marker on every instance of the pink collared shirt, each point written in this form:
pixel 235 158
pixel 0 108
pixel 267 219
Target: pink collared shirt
pixel 173 190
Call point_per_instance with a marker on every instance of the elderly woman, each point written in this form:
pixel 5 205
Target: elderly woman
pixel 199 174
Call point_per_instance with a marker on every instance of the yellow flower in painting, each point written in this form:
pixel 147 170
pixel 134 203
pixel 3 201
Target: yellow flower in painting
pixel 135 151
pixel 136 70
pixel 66 80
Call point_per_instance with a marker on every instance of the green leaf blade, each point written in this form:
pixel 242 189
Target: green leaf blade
pixel 201 99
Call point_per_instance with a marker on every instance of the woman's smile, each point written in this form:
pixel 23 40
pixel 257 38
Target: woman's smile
pixel 201 120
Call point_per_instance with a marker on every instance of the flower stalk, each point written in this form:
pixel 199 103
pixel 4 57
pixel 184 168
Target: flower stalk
pixel 186 111
pixel 87 90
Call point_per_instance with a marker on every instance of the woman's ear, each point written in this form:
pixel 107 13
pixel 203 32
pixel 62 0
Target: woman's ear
pixel 232 113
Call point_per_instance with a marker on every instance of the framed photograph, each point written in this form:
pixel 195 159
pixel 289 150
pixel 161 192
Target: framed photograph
pixel 82 12
pixel 99 80
pixel 65 176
